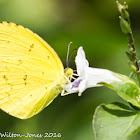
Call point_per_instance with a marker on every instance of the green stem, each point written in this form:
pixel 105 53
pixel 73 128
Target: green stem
pixel 131 44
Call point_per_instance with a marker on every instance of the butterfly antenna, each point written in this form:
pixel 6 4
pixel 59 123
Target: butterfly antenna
pixel 67 60
pixel 72 53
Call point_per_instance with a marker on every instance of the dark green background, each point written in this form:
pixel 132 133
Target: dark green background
pixel 93 24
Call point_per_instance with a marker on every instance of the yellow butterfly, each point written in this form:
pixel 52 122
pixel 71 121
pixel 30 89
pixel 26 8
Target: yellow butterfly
pixel 31 73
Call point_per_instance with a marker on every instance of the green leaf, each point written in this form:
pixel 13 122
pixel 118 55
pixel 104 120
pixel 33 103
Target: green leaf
pixel 134 76
pixel 126 88
pixel 115 122
pixel 128 91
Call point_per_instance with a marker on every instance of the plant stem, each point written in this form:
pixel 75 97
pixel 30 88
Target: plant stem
pixel 126 29
pixel 131 45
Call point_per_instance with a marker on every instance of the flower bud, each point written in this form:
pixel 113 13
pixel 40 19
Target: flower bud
pixel 125 14
pixel 125 6
pixel 123 10
pixel 120 7
pixel 130 56
pixel 133 68
pixel 125 26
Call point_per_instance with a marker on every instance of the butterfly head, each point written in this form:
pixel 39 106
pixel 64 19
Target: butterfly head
pixel 68 72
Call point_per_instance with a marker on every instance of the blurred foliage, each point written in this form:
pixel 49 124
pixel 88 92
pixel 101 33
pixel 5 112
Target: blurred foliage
pixel 94 24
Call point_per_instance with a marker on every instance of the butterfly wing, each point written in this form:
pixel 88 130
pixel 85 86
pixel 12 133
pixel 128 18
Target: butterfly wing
pixel 31 73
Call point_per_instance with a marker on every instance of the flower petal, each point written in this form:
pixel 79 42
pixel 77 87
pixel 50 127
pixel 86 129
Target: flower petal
pixel 73 87
pixel 69 89
pixel 90 77
pixel 82 87
pixel 96 75
pixel 81 62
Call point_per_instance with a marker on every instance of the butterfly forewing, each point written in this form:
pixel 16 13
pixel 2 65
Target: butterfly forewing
pixel 30 71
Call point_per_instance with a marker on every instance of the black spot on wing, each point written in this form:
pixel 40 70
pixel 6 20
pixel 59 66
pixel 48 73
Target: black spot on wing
pixel 4 76
pixel 31 47
pixel 8 94
pixel 10 85
pixel 25 79
pixel 48 57
pixel 6 79
pixel 20 62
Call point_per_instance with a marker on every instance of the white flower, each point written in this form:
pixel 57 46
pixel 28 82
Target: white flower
pixel 88 77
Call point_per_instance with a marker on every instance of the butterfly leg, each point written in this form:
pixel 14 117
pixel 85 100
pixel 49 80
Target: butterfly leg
pixel 63 93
